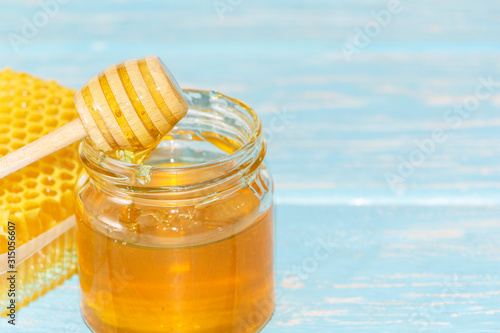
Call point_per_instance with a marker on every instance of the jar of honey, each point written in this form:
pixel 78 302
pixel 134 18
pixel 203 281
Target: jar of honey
pixel 182 242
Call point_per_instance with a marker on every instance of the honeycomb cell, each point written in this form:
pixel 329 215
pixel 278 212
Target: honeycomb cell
pixel 53 208
pixel 68 164
pixel 51 159
pixel 66 176
pixel 67 187
pixel 12 199
pixel 39 95
pixel 36 107
pixel 35 117
pixel 52 123
pixel 16 188
pixel 35 129
pixel 17 145
pixel 20 114
pixel 14 178
pixel 55 101
pixel 32 137
pixel 31 172
pixel 20 135
pixel 68 116
pixel 36 165
pixel 70 154
pixel 48 181
pixel 49 192
pixel 19 124
pixel 68 102
pixel 48 170
pixel 5 99
pixel 30 195
pixel 31 184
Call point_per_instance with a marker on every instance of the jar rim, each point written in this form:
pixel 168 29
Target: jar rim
pixel 125 173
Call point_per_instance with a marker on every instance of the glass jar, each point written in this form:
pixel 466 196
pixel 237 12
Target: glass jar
pixel 184 242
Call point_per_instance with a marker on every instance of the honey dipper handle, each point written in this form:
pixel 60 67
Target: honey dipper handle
pixel 46 145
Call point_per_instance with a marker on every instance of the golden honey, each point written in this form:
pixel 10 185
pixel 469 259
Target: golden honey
pixel 39 197
pixel 183 242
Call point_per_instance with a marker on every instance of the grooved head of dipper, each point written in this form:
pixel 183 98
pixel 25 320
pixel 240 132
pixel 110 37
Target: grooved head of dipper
pixel 130 105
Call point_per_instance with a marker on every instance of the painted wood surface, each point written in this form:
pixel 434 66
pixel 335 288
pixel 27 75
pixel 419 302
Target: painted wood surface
pixel 391 155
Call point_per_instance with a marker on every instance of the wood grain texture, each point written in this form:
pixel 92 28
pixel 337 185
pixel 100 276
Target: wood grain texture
pixel 423 257
pixel 130 105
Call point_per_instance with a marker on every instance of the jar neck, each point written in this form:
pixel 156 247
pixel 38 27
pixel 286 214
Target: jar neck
pixel 213 120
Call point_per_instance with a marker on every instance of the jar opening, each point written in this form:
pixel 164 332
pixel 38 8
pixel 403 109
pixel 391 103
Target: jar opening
pixel 220 137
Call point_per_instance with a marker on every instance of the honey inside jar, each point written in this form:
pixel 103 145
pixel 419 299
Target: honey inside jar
pixel 183 242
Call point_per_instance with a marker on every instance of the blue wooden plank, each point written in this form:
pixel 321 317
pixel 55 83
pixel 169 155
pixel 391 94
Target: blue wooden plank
pixel 347 130
pixel 359 269
pixel 352 122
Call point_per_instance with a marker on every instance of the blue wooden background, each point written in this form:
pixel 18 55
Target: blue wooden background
pixel 355 252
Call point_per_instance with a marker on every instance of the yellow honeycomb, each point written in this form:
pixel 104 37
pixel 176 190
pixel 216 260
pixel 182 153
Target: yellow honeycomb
pixel 39 196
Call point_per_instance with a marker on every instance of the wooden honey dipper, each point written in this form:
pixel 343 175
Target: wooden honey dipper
pixel 129 106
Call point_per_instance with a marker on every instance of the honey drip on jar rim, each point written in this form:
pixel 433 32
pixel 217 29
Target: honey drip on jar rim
pixel 141 156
